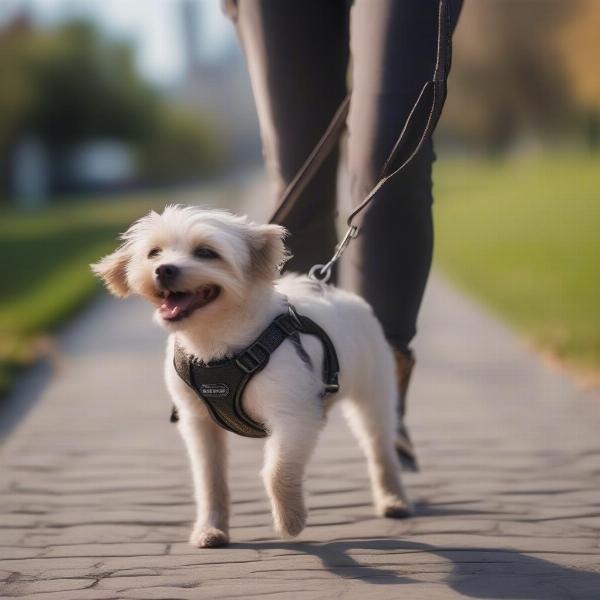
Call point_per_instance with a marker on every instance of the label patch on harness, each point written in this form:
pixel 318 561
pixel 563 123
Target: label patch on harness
pixel 214 390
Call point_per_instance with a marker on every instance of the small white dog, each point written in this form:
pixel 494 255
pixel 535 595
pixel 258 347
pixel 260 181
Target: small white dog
pixel 214 279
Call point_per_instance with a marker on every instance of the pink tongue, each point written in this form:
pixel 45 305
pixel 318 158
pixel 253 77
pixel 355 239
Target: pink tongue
pixel 175 304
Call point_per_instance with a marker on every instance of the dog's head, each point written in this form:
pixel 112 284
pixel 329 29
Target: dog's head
pixel 193 263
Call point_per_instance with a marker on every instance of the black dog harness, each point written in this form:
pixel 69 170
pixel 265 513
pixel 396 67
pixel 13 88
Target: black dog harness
pixel 220 384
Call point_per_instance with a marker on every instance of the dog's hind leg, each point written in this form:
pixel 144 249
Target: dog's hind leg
pixel 287 451
pixel 205 444
pixel 372 420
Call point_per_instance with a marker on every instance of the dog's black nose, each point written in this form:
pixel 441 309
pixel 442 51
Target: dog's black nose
pixel 166 274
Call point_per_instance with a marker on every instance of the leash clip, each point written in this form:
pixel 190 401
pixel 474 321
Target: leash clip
pixel 322 273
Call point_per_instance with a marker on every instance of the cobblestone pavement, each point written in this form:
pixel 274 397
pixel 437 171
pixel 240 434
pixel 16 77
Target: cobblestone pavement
pixel 96 498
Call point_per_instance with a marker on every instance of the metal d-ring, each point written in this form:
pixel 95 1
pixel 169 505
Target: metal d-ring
pixel 320 273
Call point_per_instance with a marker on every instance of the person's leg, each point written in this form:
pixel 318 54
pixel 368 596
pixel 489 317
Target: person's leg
pixel 297 58
pixel 393 47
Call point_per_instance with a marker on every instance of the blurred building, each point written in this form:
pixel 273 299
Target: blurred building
pixel 29 174
pixel 219 86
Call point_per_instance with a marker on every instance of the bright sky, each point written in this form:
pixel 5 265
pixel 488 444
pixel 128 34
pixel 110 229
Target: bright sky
pixel 152 26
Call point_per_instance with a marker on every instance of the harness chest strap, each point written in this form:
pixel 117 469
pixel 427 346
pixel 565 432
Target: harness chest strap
pixel 220 384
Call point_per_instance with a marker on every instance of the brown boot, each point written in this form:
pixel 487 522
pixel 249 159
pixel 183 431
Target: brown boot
pixel 405 361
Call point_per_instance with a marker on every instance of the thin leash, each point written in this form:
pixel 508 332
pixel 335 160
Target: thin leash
pixel 419 125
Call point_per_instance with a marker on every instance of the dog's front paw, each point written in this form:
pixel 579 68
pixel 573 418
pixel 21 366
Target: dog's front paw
pixel 208 537
pixel 395 508
pixel 289 523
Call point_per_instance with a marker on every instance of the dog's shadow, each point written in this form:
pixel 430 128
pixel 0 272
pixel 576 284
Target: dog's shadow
pixel 499 573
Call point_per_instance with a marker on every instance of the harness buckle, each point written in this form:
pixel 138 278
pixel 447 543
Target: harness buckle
pixel 282 321
pixel 295 318
pixel 252 358
pixel 332 386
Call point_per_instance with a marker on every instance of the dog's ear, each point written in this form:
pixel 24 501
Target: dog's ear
pixel 267 250
pixel 112 269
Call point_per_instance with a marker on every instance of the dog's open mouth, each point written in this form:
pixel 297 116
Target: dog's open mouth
pixel 179 305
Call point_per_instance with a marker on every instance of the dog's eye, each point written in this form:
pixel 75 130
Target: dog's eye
pixel 205 252
pixel 154 252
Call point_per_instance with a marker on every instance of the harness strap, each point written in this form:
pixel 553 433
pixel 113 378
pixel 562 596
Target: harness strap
pixel 220 384
pixel 331 367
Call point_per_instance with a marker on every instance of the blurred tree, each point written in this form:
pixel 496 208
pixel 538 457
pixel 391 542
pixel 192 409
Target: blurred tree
pixel 580 42
pixel 507 82
pixel 17 90
pixel 72 85
pixel 87 87
pixel 182 147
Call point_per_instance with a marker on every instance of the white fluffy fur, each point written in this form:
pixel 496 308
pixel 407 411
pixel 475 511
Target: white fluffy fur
pixel 286 394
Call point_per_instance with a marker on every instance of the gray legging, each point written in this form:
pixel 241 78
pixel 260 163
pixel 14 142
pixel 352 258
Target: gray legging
pixel 298 54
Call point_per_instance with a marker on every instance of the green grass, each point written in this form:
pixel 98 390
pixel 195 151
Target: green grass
pixel 44 269
pixel 524 237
